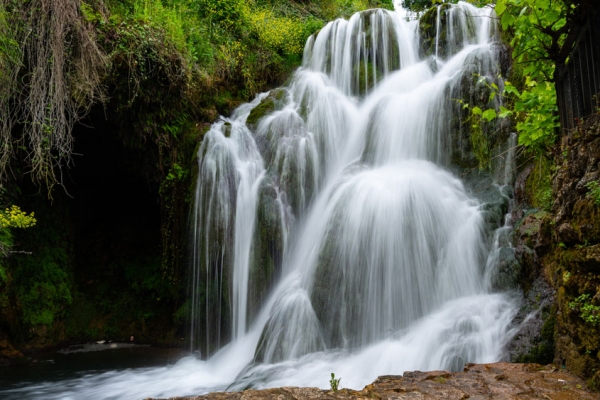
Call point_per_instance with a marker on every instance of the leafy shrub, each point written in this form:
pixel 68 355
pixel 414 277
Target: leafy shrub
pixel 537 115
pixel 228 13
pixel 283 34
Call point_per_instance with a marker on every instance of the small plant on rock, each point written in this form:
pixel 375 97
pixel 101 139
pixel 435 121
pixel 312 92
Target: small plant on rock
pixel 594 192
pixel 334 382
pixel 589 312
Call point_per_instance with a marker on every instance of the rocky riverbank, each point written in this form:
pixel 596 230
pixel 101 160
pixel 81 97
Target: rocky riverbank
pixel 475 382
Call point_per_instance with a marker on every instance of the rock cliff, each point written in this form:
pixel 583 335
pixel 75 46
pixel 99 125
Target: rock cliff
pixel 560 250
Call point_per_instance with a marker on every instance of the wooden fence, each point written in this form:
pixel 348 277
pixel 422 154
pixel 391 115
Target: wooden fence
pixel 578 82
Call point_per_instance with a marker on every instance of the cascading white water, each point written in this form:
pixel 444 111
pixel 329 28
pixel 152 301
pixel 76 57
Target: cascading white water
pixel 231 169
pixel 330 235
pixel 382 235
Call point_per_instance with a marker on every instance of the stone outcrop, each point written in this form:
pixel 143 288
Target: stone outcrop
pixel 572 262
pixel 559 249
pixel 475 382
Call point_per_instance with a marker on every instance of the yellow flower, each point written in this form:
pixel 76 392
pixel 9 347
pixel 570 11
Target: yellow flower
pixel 14 217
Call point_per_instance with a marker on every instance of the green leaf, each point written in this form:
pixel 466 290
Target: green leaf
pixel 504 112
pixel 506 20
pixel 489 114
pixel 542 4
pixel 500 7
pixel 476 111
pixel 508 88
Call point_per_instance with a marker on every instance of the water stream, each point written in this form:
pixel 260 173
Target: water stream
pixel 331 234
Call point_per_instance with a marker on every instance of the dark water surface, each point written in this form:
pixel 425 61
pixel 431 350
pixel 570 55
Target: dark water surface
pixel 78 361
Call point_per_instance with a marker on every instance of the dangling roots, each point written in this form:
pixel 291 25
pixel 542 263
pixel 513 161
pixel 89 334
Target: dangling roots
pixel 50 75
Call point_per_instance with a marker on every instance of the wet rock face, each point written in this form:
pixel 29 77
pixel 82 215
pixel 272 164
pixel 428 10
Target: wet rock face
pixel 534 342
pixel 562 248
pixel 267 248
pixel 475 382
pixel 573 262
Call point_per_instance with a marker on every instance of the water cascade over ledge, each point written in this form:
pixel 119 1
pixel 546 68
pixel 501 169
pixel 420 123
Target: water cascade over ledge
pixel 355 235
pixel 331 232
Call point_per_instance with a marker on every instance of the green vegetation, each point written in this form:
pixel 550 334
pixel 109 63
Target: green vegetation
pixel 536 113
pixel 587 311
pixel 334 383
pixel 424 5
pixel 594 192
pixel 42 279
pixel 539 184
pixel 542 34
pixel 479 143
pixel 14 217
pixel 481 117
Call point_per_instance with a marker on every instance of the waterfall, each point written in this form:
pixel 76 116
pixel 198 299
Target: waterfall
pixel 230 170
pixel 331 229
pixel 361 233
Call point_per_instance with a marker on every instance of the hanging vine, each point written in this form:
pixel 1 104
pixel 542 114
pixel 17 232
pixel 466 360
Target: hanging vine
pixel 52 71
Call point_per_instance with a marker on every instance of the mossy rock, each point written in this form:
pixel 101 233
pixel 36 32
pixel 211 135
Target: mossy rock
pixel 528 227
pixel 475 141
pixel 226 129
pixel 427 31
pixel 269 104
pixel 328 275
pixel 584 258
pixel 267 248
pixel 586 221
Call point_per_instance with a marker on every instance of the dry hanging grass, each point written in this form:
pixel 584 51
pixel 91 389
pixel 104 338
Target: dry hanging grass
pixel 52 75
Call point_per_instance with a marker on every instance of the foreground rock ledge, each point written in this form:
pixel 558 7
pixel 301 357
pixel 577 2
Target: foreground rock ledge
pixel 476 382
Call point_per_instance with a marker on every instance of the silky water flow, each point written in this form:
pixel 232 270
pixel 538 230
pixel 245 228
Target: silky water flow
pixel 329 234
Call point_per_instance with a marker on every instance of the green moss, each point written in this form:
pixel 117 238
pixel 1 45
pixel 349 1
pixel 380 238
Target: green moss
pixel 479 143
pixel 427 31
pixel 594 383
pixel 594 191
pixel 366 77
pixel 263 108
pixel 267 250
pixel 266 106
pixel 387 4
pixel 539 185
